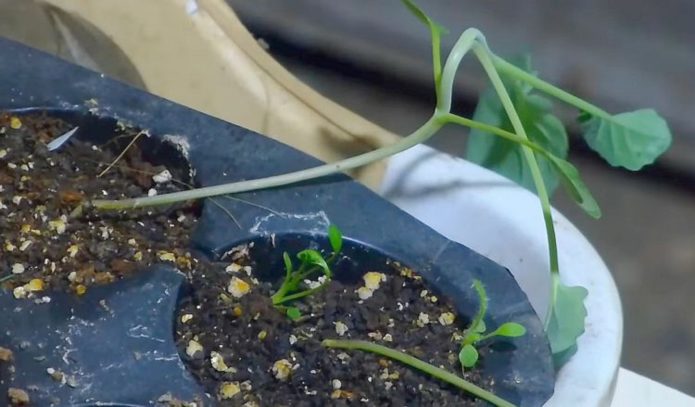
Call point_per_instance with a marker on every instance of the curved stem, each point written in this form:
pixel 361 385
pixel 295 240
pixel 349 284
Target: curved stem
pixel 420 135
pixel 483 55
pixel 418 364
pixel 518 73
pixel 459 50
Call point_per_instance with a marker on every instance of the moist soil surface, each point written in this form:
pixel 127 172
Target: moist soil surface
pixel 255 341
pixel 242 349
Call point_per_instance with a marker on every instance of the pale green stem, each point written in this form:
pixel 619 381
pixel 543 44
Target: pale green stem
pixel 508 69
pixel 460 49
pixel 483 55
pixel 455 119
pixel 482 310
pixel 418 364
pixel 426 131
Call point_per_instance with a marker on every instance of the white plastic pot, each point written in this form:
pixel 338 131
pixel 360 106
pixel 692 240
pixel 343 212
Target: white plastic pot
pixel 503 221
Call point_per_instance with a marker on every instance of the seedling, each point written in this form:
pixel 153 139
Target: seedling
pixel 513 113
pixel 312 265
pixel 477 331
pixel 418 364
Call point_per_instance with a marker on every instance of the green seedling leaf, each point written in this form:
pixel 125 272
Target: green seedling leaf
pixel 435 28
pixel 288 264
pixel 335 237
pixel 510 330
pixel 436 32
pixel 468 356
pixel 542 128
pixel 630 140
pixel 293 313
pixel 575 186
pixel 480 328
pixel 566 321
pixel 313 257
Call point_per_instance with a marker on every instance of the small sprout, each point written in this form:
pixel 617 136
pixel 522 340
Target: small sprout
pixel 238 287
pixel 292 339
pixel 217 362
pixel 228 390
pixel 447 318
pixel 262 335
pixel 137 256
pixel 193 348
pixel 282 369
pixel 186 317
pixel 476 331
pixel 388 338
pixel 80 289
pixel 18 268
pixel 25 245
pixel 237 311
pixel 312 266
pixel 340 328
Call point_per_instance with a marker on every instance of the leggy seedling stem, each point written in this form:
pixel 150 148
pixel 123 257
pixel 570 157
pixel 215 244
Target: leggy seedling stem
pixel 418 364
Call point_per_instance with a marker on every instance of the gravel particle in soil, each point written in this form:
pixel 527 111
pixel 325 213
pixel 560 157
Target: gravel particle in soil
pixel 5 355
pixel 18 397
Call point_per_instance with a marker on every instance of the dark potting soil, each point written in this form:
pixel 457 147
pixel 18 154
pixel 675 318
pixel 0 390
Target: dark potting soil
pixel 42 247
pixel 243 350
pixel 248 353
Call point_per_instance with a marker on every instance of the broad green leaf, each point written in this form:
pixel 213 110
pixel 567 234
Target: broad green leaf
pixel 288 263
pixel 510 330
pixel 335 237
pixel 630 140
pixel 313 257
pixel 293 313
pixel 567 317
pixel 468 356
pixel 542 127
pixel 575 187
